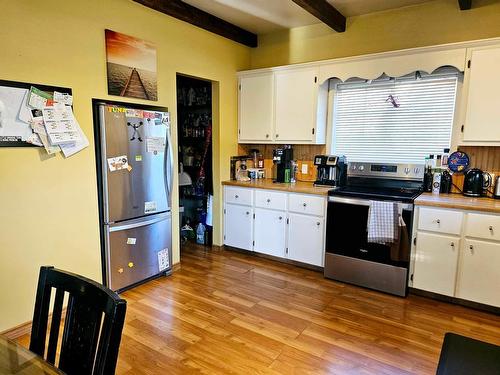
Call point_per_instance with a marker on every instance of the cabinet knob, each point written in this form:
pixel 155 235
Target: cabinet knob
pixel 318 223
pixel 438 221
pixel 491 228
pixel 277 135
pixel 452 244
pixel 267 135
pixel 304 204
pixel 268 200
pixel 248 213
pixel 471 249
pixel 236 196
pixel 281 218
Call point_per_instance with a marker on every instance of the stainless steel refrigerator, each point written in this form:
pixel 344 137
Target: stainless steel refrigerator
pixel 134 152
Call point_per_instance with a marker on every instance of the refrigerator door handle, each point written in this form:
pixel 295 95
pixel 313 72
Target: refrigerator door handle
pixel 169 167
pixel 139 222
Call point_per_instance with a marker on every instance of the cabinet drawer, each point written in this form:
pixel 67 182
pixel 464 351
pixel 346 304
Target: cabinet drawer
pixel 483 226
pixel 306 204
pixel 239 195
pixel 270 199
pixel 442 221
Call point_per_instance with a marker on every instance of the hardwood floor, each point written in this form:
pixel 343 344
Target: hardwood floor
pixel 228 312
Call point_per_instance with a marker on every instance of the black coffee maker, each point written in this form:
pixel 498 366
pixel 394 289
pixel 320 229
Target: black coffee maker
pixel 331 170
pixel 282 168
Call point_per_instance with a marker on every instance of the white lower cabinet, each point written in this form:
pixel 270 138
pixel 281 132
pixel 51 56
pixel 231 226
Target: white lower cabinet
pixel 305 239
pixel 271 224
pixel 479 279
pixel 465 265
pixel 238 226
pixel 436 263
pixel 270 232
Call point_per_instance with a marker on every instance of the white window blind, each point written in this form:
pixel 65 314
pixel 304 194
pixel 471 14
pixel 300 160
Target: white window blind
pixel 368 127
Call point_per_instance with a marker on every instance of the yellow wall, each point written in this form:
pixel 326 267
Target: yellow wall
pixel 48 206
pixel 431 23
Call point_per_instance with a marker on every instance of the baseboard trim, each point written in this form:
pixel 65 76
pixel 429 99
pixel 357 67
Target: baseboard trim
pixel 456 301
pixel 176 267
pixel 17 331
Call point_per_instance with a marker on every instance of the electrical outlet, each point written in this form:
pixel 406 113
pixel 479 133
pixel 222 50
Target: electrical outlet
pixel 163 261
pixel 304 168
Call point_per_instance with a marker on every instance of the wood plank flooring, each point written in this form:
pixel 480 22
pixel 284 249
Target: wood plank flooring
pixel 225 312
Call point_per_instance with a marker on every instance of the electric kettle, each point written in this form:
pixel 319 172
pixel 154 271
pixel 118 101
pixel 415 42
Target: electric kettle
pixel 475 182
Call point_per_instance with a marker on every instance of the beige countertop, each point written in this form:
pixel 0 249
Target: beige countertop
pixel 459 201
pixel 267 183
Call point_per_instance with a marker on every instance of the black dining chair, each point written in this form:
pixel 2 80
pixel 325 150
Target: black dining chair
pixel 93 323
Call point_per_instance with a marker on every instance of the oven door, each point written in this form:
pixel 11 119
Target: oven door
pixel 347 232
pixel 349 257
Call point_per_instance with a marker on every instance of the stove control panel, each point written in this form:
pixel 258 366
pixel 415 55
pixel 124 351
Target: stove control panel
pixel 386 170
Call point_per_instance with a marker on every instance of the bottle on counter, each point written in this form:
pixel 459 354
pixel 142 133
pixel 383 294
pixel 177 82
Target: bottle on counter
pixel 438 161
pixel 446 155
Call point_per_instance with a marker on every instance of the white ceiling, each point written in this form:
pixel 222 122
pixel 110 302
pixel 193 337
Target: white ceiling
pixel 263 16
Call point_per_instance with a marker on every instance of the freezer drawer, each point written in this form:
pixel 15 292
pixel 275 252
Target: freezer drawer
pixel 132 249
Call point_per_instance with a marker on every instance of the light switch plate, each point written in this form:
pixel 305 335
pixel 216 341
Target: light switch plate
pixel 304 168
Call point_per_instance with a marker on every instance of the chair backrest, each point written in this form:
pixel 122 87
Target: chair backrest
pixel 92 326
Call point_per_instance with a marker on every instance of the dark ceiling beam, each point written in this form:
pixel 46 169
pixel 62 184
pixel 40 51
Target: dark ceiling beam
pixel 325 12
pixel 197 17
pixel 465 4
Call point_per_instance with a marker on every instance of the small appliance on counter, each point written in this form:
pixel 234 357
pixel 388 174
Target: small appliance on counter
pixel 331 170
pixel 283 166
pixel 476 182
pixel 496 190
pixel 239 168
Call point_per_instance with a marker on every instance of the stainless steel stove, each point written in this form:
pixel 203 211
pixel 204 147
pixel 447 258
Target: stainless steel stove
pixel 349 257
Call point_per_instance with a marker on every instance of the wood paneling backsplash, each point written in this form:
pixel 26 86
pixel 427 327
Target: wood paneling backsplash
pixel 486 158
pixel 304 154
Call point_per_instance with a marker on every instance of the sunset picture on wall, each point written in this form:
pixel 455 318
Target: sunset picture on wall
pixel 131 66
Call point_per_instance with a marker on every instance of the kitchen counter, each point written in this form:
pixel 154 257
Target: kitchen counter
pixel 459 201
pixel 267 183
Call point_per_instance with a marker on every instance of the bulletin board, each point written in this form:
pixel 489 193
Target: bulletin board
pixel 15 127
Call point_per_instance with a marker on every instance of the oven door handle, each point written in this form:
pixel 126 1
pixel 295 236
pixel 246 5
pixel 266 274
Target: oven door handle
pixel 366 202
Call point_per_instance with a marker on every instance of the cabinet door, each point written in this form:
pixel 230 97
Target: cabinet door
pixel 238 228
pixel 296 105
pixel 436 263
pixel 270 232
pixel 305 239
pixel 256 108
pixel 479 278
pixel 483 112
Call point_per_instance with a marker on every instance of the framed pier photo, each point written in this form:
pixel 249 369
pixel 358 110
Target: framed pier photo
pixel 131 66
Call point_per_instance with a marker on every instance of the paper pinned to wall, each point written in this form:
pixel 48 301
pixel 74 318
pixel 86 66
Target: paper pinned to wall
pixel 13 124
pixel 62 97
pixel 60 125
pixel 71 149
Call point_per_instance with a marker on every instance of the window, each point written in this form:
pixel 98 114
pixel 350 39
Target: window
pixel 398 120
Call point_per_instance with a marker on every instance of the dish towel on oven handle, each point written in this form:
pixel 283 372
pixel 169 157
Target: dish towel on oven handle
pixel 383 222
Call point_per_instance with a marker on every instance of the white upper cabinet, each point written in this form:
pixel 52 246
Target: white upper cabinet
pixel 284 106
pixel 296 104
pixel 482 121
pixel 256 108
